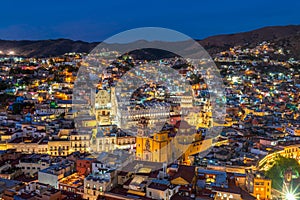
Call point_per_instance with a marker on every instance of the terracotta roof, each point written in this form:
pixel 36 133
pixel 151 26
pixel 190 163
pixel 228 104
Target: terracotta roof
pixel 185 172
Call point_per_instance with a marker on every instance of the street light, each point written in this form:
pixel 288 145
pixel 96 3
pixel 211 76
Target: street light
pixel 290 193
pixel 290 196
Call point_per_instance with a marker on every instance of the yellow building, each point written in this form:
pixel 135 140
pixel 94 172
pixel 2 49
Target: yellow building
pixel 291 151
pixel 254 112
pixel 27 145
pixel 194 148
pixel 80 142
pixel 262 188
pixel 62 96
pixel 201 119
pixel 259 186
pixel 3 146
pixel 161 147
pixel 153 148
pixel 59 147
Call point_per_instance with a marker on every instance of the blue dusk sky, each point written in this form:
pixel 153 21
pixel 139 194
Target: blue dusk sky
pixel 97 20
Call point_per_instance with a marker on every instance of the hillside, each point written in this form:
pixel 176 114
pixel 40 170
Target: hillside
pixel 286 36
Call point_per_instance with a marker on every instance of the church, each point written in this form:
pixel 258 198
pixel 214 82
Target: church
pixel 163 146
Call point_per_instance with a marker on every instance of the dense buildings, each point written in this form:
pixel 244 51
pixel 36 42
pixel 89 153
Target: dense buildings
pixel 151 142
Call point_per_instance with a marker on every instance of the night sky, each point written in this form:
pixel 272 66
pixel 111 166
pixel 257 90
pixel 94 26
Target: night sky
pixel 96 20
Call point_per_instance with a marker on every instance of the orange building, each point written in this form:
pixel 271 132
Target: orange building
pixel 259 186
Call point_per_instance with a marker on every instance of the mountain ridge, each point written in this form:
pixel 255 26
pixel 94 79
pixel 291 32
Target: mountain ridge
pixel 286 35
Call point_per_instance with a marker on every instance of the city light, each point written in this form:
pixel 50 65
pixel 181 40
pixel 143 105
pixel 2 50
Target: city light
pixel 11 53
pixel 290 193
pixel 290 196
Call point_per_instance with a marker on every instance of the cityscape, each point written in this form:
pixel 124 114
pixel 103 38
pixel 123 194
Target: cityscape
pixel 211 119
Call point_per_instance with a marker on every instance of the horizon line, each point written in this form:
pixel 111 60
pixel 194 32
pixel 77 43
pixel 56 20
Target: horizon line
pixel 90 42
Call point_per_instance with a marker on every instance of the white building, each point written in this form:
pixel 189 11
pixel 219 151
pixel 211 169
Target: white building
pixel 33 163
pixel 95 185
pixel 54 173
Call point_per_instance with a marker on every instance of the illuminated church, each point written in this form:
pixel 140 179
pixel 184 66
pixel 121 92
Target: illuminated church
pixel 151 148
pixel 105 107
pixel 164 147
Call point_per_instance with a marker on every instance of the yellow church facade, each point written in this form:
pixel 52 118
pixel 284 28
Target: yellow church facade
pixel 153 148
pixel 161 147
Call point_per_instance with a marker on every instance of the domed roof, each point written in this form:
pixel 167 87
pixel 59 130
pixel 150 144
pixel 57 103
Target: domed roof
pixel 183 125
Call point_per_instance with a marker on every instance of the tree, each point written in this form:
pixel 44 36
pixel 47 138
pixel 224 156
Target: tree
pixel 276 172
pixel 17 107
pixel 3 85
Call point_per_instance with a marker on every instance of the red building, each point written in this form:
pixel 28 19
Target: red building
pixel 84 166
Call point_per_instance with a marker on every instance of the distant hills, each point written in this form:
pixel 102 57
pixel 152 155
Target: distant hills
pixel 41 48
pixel 286 36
